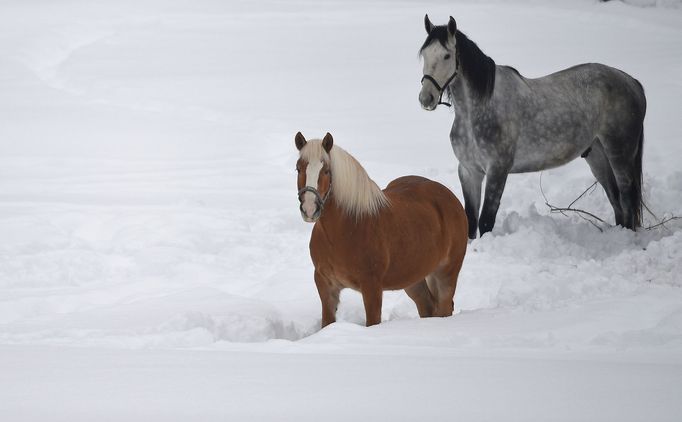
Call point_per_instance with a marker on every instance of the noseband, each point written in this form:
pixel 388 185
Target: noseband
pixel 442 89
pixel 319 200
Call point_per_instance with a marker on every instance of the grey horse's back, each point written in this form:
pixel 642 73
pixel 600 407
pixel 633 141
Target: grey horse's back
pixel 604 85
pixel 618 98
pixel 600 110
pixel 561 114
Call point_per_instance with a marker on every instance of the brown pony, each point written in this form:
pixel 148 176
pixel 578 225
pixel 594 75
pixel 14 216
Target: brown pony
pixel 412 235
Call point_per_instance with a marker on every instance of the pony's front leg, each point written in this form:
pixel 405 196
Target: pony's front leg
pixel 494 186
pixel 372 296
pixel 329 296
pixel 471 180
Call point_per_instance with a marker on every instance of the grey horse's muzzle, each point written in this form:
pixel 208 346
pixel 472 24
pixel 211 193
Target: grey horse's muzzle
pixel 441 89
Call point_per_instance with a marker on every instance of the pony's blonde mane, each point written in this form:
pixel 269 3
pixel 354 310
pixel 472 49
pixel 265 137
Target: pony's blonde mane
pixel 352 189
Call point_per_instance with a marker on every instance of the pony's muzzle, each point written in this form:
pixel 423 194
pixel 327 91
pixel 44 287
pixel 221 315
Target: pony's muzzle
pixel 308 218
pixel 311 207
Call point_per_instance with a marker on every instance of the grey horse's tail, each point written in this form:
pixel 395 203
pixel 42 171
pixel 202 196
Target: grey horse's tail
pixel 636 199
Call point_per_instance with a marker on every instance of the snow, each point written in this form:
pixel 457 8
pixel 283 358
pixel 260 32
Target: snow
pixel 154 265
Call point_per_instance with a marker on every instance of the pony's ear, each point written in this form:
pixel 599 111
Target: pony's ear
pixel 427 24
pixel 327 142
pixel 300 141
pixel 452 26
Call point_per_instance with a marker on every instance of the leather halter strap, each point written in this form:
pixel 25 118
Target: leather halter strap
pixel 319 200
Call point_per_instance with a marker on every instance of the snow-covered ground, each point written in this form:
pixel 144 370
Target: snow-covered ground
pixel 154 265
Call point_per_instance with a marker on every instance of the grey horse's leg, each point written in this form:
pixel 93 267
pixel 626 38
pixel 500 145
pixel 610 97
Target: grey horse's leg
pixel 601 169
pixel 495 180
pixel 622 153
pixel 471 181
pixel 623 172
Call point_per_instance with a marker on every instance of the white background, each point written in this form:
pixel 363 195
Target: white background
pixel 154 265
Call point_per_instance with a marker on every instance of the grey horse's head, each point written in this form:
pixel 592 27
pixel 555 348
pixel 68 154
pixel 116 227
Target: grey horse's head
pixel 439 53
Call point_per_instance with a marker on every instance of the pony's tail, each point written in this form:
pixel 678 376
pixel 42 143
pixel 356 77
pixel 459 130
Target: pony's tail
pixel 636 199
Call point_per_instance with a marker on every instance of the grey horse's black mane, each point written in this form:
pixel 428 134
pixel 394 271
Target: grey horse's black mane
pixel 477 68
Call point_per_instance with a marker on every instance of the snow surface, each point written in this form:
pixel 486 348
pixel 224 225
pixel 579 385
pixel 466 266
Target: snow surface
pixel 154 266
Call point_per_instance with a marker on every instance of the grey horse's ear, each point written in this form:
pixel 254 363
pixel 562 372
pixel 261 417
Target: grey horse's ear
pixel 300 141
pixel 452 26
pixel 327 142
pixel 427 24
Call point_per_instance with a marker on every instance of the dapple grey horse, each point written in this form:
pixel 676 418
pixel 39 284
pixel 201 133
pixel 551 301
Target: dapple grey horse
pixel 505 123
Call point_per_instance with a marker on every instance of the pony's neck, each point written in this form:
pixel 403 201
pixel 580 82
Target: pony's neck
pixel 335 219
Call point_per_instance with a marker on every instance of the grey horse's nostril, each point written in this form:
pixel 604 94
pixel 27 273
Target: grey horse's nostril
pixel 426 98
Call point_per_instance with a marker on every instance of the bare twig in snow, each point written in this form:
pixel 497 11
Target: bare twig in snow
pixel 662 222
pixel 585 214
pixel 582 213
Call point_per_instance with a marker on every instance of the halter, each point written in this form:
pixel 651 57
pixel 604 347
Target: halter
pixel 435 83
pixel 319 200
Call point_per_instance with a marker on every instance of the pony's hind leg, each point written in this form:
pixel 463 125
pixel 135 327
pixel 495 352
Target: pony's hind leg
pixel 442 285
pixel 471 180
pixel 422 297
pixel 601 169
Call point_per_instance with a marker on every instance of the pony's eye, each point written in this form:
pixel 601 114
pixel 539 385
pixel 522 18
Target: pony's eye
pixel 447 56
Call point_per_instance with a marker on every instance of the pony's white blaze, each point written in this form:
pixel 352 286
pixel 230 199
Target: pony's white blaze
pixel 438 67
pixel 312 175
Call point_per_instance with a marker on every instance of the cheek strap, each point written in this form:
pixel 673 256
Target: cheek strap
pixel 442 89
pixel 319 200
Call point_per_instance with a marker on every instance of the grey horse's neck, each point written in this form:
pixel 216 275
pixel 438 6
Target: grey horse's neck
pixel 476 73
pixel 463 96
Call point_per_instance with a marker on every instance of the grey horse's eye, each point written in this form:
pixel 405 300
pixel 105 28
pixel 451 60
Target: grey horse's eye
pixel 447 56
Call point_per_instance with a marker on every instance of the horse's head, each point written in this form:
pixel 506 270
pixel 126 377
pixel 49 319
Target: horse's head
pixel 314 175
pixel 440 62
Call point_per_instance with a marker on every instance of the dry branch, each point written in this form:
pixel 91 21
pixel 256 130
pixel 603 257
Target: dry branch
pixel 582 213
pixel 585 214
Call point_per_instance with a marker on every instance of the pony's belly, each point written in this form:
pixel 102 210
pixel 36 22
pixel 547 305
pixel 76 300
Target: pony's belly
pixel 394 279
pixel 393 269
pixel 413 268
pixel 402 282
pixel 339 275
pixel 345 282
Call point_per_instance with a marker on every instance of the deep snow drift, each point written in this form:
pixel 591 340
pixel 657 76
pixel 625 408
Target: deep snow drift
pixel 153 264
